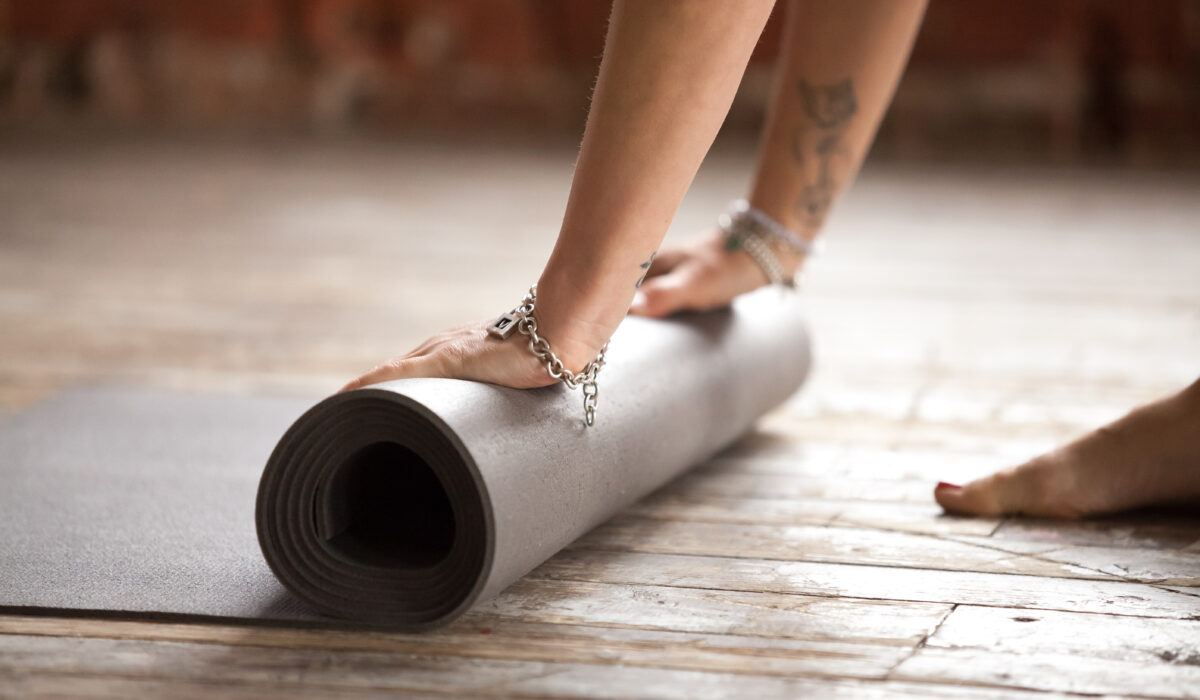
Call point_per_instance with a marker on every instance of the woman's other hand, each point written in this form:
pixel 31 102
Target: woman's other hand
pixel 702 275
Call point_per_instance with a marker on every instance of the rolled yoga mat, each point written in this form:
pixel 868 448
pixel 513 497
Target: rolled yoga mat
pixel 406 502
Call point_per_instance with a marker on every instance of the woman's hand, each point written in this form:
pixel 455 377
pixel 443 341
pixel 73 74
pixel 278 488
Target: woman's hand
pixel 466 352
pixel 470 352
pixel 702 275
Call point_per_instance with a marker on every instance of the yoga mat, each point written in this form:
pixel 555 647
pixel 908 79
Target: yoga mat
pixel 406 502
pixel 142 502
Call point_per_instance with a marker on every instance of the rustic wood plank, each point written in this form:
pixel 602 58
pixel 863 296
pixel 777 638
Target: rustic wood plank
pixel 1144 640
pixel 503 639
pixel 872 582
pixel 784 486
pixel 785 455
pixel 1052 671
pixel 495 637
pixel 1142 530
pixel 30 660
pixel 824 544
pixel 703 609
pixel 902 517
pixel 106 686
pixel 1071 652
pixel 1165 566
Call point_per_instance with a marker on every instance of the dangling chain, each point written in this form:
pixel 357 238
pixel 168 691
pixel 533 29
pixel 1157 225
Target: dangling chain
pixel 523 320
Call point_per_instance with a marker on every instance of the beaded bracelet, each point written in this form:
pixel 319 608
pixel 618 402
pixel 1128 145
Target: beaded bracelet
pixel 749 228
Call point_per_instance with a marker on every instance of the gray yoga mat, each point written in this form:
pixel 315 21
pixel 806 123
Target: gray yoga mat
pixel 401 504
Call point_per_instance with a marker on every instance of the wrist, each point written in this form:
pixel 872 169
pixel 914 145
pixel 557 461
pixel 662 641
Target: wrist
pixel 777 250
pixel 577 312
pixel 791 260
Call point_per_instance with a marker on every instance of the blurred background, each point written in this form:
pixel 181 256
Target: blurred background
pixel 1061 81
pixel 276 195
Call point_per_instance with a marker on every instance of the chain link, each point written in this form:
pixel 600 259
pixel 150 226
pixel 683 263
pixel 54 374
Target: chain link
pixel 540 347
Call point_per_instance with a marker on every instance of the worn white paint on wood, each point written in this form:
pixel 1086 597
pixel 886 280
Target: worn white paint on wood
pixel 701 609
pixel 828 544
pixel 780 486
pixel 820 653
pixel 1051 671
pixel 106 686
pixel 873 582
pixel 26 659
pixel 923 518
pixel 945 348
pixel 1148 565
pixel 1143 530
pixel 1055 650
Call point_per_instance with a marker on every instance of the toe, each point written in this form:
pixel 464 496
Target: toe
pixel 1034 488
pixel 980 497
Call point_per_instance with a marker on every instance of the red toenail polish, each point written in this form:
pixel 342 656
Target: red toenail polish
pixel 948 485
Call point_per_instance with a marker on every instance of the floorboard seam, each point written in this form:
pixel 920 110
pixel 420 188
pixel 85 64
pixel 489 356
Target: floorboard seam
pixel 1108 578
pixel 921 644
pixel 861 597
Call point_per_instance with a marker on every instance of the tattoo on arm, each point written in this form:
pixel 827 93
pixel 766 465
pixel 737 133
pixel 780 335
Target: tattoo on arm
pixel 830 109
pixel 829 106
pixel 645 269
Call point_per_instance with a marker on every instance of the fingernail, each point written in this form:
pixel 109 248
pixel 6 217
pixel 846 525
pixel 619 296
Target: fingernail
pixel 639 299
pixel 948 485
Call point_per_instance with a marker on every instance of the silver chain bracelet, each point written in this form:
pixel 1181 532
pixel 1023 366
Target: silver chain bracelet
pixel 749 228
pixel 522 319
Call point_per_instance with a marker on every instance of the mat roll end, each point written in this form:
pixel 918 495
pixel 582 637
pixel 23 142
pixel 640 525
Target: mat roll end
pixel 371 509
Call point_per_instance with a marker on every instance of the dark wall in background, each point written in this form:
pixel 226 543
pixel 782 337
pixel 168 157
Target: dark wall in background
pixel 1053 80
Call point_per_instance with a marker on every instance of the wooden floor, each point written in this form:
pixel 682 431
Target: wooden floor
pixel 964 320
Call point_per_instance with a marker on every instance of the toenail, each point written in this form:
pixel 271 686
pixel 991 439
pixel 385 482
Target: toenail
pixel 948 485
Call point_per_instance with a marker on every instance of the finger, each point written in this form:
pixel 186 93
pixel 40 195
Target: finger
pixel 400 368
pixel 429 345
pixel 664 295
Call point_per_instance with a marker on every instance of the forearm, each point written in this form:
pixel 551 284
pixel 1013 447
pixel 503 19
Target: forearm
pixel 839 68
pixel 669 73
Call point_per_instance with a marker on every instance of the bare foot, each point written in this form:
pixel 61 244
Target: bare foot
pixel 1149 457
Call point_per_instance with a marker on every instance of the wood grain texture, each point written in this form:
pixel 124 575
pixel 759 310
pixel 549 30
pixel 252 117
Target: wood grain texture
pixel 917 518
pixel 1062 651
pixel 827 544
pixel 25 660
pixel 964 320
pixel 872 582
pixel 816 654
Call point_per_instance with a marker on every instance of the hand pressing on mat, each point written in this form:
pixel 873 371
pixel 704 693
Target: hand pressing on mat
pixel 466 352
pixel 667 79
pixel 470 352
pixel 703 275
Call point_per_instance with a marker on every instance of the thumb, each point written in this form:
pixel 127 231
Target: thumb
pixel 663 295
pixel 400 368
